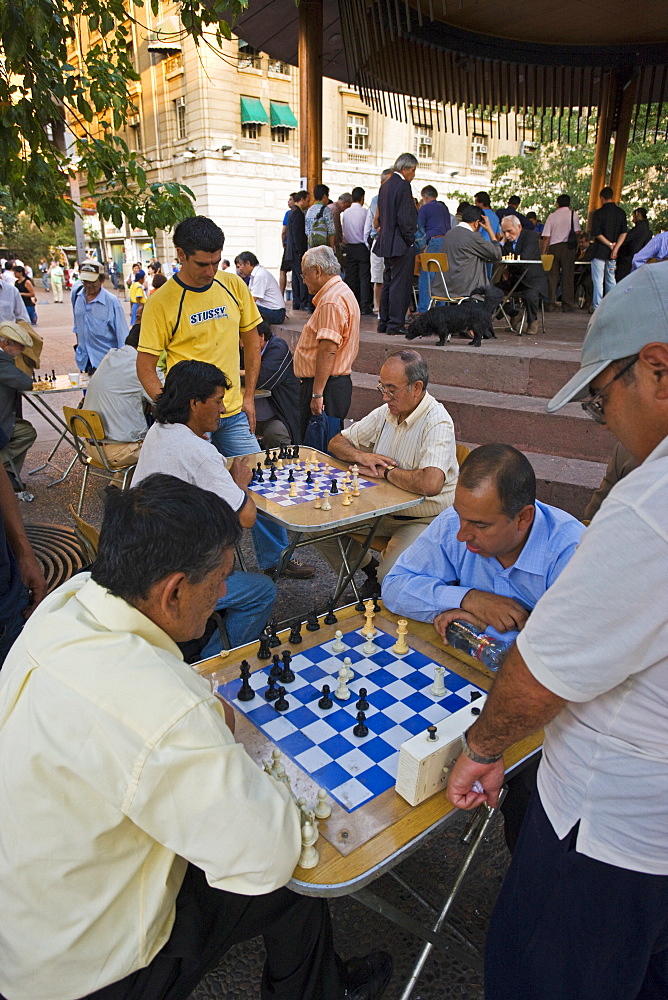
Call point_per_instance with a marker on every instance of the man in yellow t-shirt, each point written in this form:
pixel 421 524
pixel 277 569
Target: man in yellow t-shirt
pixel 199 315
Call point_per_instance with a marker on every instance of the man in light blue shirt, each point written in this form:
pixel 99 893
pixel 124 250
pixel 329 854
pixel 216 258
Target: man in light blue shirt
pixel 489 557
pixel 99 320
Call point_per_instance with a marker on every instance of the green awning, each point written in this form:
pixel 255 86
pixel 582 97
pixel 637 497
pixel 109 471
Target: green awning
pixel 281 115
pixel 253 113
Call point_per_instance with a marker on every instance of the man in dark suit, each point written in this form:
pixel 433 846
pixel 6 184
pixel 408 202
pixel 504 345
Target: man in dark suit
pixel 396 218
pixel 525 244
pixel 295 248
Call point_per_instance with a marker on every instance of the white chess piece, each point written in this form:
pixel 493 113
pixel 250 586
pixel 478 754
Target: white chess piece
pixel 323 810
pixel 400 647
pixel 369 648
pixel 326 505
pixel 338 646
pixel 342 692
pixel 438 688
pixel 276 761
pixel 309 857
pixel 350 673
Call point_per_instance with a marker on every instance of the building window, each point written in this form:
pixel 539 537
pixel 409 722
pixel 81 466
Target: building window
pixel 138 139
pixel 249 58
pixel 424 143
pixel 251 130
pixel 280 134
pixel 276 66
pixel 173 65
pixel 358 133
pixel 180 111
pixel 479 151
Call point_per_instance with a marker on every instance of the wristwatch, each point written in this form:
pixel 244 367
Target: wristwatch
pixel 388 468
pixel 317 395
pixel 476 757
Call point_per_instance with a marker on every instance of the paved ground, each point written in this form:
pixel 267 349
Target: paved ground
pixel 357 930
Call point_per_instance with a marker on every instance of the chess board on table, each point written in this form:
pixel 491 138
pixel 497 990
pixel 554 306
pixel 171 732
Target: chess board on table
pixel 279 491
pixel 321 742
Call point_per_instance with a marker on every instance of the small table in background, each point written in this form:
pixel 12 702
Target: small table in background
pixel 40 400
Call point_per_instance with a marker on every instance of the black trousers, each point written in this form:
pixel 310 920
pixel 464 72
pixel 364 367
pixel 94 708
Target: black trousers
pixel 300 296
pixel 358 274
pixel 297 932
pixel 336 398
pixel 531 298
pixel 395 294
pixel 568 927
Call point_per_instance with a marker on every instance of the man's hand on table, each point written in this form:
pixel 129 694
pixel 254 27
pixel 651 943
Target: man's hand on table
pixel 446 618
pixel 373 466
pixel 502 613
pixel 464 775
pixel 241 472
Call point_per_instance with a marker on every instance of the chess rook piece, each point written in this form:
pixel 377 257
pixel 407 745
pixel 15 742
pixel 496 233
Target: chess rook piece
pixel 281 704
pixel 264 653
pixel 342 693
pixel 325 702
pixel 400 648
pixel 295 636
pixel 312 623
pixel 245 692
pixel 271 694
pixel 361 729
pixel 330 618
pixel 318 502
pixel 362 705
pixel 338 646
pixel 293 490
pixel 326 505
pixel 323 810
pixel 438 689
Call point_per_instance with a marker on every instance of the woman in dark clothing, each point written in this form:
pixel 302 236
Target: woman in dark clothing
pixel 636 238
pixel 27 291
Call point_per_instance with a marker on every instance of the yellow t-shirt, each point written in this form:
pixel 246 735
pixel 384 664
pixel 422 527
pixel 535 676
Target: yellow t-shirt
pixel 137 293
pixel 201 324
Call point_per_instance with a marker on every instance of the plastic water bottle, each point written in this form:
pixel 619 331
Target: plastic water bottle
pixel 462 635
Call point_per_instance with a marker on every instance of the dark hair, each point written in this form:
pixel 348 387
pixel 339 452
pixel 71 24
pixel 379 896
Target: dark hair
pixel 186 381
pixel 293 194
pixel 17 267
pixel 642 212
pixel 358 194
pixel 319 191
pixel 225 261
pixel 510 471
pixel 430 191
pixel 132 339
pixel 531 215
pixel 607 193
pixel 264 329
pixel 299 196
pixel 564 200
pixel 461 206
pixel 246 258
pixel 198 233
pixel 483 198
pixel 414 365
pixel 159 280
pixel 514 200
pixel 164 525
pixel 472 214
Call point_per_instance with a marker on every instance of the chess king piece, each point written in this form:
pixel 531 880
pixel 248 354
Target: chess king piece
pixel 400 648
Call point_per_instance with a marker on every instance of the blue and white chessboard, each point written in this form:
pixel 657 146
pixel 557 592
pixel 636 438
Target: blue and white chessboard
pixel 321 742
pixel 279 492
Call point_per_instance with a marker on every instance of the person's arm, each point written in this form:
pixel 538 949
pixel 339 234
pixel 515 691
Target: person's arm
pixel 147 375
pixel 487 226
pixel 429 482
pixel 324 364
pixel 650 250
pixel 30 288
pixel 30 570
pixel 241 474
pixel 370 463
pixel 487 249
pixel 252 358
pixel 617 245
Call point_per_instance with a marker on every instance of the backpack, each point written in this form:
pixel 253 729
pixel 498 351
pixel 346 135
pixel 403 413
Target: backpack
pixel 319 236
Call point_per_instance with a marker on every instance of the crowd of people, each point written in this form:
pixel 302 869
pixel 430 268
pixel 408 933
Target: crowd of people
pixel 163 838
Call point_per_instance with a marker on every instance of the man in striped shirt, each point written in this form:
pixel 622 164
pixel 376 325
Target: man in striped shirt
pixel 410 442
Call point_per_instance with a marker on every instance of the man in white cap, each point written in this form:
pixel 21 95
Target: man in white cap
pixel 583 912
pixel 99 320
pixel 20 433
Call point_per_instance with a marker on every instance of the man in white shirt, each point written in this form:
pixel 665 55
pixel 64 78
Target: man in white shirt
pixel 554 240
pixel 117 395
pixel 358 255
pixel 583 912
pixel 11 304
pixel 143 841
pixel 263 287
pixel 186 413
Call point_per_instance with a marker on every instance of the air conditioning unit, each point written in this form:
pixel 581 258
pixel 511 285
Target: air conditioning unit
pixel 180 102
pixel 361 130
pixel 134 121
pixel 426 140
pixel 480 149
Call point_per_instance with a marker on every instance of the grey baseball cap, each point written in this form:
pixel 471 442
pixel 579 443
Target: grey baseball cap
pixel 633 314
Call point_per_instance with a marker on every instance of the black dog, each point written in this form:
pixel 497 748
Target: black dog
pixel 471 316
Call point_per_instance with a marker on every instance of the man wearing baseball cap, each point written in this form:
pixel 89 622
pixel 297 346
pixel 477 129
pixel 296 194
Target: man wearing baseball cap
pixel 99 320
pixel 583 911
pixel 20 433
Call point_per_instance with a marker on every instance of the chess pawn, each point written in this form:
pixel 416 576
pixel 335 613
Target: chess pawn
pixel 350 673
pixel 326 505
pixel 309 857
pixel 325 468
pixel 307 466
pixel 338 646
pixel 279 463
pixel 318 502
pixel 323 810
pixel 342 693
pixel 275 761
pixel 293 490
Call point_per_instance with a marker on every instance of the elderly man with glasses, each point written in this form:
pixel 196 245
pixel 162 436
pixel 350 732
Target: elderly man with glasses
pixel 410 442
pixel 591 667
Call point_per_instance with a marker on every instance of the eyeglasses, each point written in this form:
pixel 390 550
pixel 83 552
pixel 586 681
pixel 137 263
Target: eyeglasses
pixel 391 393
pixel 594 406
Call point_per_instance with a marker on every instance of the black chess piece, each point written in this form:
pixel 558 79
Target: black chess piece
pixel 267 457
pixel 295 636
pixel 291 476
pixel 274 457
pixel 273 638
pixel 271 694
pixel 277 666
pixel 312 623
pixel 476 711
pixel 287 674
pixel 260 476
pixel 330 618
pixel 362 705
pixel 433 733
pixel 272 475
pixel 325 702
pixel 334 488
pixel 360 729
pixel 309 477
pixel 264 653
pixel 295 453
pixel 53 374
pixel 281 704
pixel 360 606
pixel 258 467
pixel 245 692
pixel 253 477
pixel 475 695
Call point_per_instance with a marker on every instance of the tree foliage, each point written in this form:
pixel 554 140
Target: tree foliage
pixel 40 89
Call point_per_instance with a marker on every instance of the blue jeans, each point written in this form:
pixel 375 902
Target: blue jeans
pixel 133 313
pixel 602 273
pixel 32 313
pixel 435 245
pixel 248 605
pixel 234 437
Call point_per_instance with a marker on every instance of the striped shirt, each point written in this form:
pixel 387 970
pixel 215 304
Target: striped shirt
pixel 424 439
pixel 337 318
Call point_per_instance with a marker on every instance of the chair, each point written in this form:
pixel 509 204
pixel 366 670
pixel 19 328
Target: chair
pixel 462 451
pixel 86 428
pixel 547 260
pixel 87 536
pixel 437 263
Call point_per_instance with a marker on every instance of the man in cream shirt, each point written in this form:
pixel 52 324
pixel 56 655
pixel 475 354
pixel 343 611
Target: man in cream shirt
pixel 142 841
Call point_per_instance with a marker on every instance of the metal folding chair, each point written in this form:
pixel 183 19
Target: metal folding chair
pixel 437 263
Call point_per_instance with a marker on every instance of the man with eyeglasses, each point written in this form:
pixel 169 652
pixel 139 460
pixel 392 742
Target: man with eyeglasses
pixel 410 442
pixel 583 911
